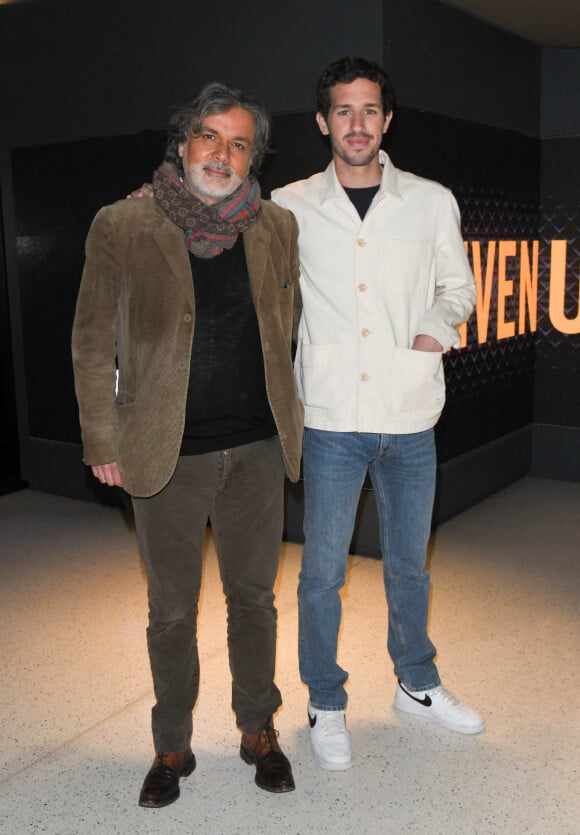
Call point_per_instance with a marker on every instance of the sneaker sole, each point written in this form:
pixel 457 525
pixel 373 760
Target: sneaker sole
pixel 460 729
pixel 331 766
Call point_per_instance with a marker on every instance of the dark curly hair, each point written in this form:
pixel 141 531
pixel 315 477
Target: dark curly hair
pixel 346 70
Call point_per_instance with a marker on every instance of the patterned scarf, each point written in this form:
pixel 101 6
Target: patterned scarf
pixel 208 229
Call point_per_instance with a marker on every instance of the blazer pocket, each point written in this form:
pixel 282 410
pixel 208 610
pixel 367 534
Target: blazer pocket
pixel 319 377
pixel 417 382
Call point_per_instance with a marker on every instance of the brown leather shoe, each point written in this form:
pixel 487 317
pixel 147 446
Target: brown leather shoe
pixel 161 785
pixel 273 771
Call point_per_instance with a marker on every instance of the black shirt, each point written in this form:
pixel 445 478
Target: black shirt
pixel 362 198
pixel 227 402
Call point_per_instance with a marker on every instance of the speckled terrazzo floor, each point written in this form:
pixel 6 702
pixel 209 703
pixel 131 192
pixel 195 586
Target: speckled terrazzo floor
pixel 75 691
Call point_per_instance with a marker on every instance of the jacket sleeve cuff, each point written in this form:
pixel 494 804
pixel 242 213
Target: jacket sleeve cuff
pixel 447 336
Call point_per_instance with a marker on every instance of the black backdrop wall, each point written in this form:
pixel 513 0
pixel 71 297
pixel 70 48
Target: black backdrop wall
pixel 469 116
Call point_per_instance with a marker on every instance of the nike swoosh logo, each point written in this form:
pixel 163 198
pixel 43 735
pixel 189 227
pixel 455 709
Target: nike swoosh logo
pixel 312 720
pixel 425 701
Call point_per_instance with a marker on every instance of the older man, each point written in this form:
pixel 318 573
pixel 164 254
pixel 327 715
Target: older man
pixel 192 296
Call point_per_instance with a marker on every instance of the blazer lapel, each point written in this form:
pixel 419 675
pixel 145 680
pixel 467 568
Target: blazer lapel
pixel 257 249
pixel 169 239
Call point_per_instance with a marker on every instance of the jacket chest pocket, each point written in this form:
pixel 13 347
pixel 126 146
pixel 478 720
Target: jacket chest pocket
pixel 406 267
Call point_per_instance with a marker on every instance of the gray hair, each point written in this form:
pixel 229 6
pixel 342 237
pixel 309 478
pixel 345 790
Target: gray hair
pixel 217 97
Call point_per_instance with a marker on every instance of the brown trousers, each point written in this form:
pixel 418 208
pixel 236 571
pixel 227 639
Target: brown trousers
pixel 241 491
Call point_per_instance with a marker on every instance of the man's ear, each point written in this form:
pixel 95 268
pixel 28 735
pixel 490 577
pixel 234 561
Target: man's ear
pixel 321 122
pixel 181 149
pixel 387 122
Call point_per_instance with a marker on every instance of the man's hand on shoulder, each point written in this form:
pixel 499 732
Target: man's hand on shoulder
pixel 146 190
pixel 108 474
pixel 423 342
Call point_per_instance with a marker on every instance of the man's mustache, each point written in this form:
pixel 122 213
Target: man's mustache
pixel 218 166
pixel 358 135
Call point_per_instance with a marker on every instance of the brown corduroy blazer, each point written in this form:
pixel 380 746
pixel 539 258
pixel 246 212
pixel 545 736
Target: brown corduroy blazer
pixel 136 309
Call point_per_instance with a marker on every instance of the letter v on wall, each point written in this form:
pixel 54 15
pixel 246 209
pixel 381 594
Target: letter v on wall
pixel 483 303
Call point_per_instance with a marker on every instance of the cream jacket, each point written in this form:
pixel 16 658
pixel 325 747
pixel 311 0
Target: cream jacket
pixel 368 288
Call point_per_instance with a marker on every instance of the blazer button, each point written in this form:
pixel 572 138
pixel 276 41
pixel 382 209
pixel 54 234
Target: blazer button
pixel 187 318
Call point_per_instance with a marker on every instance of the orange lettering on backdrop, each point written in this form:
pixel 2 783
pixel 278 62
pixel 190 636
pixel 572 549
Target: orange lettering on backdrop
pixel 558 291
pixel 483 303
pixel 505 288
pixel 463 328
pixel 528 289
pixel 529 286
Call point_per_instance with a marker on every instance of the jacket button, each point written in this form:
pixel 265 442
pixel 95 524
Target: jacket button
pixel 365 332
pixel 187 318
pixel 362 287
pixel 364 377
pixel 361 242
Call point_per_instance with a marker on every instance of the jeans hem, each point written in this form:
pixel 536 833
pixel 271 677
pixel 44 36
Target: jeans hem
pixel 420 689
pixel 329 708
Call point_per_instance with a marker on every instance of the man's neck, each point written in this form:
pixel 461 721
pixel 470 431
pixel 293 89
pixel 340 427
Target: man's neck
pixel 358 176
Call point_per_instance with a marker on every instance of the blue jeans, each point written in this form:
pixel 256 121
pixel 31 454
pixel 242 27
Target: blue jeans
pixel 402 471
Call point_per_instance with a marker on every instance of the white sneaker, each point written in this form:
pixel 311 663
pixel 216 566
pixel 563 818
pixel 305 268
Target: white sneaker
pixel 440 706
pixel 329 738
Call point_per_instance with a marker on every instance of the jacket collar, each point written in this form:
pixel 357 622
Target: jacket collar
pixel 389 181
pixel 169 238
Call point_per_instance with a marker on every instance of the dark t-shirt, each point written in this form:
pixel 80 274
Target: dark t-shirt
pixel 362 198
